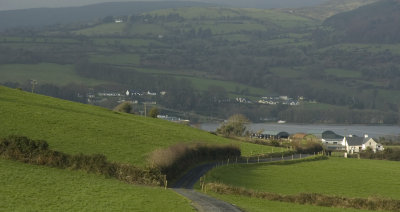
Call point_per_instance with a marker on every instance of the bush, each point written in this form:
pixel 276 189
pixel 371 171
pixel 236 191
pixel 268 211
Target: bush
pixel 154 112
pixel 387 154
pixel 235 126
pixel 371 203
pixel 308 148
pixel 23 149
pixel 175 159
pixel 124 107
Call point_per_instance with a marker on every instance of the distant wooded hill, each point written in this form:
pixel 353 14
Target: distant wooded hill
pixel 375 23
pixel 48 16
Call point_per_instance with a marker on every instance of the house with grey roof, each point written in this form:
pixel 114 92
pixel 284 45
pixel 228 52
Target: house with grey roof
pixel 355 144
pixel 333 141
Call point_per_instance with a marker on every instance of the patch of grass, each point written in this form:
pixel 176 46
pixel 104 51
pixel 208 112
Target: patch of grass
pixel 43 73
pixel 77 128
pixel 260 205
pixel 286 72
pixel 102 29
pixel 125 41
pixel 203 84
pixel 274 17
pixel 119 59
pixel 36 188
pixel 343 73
pixel 122 28
pixel 336 176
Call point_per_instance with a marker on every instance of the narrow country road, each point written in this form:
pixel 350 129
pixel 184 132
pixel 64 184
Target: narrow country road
pixel 204 203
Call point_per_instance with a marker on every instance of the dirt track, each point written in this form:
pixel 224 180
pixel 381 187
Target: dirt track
pixel 202 202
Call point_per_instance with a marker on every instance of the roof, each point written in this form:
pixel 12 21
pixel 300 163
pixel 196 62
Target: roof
pixel 331 135
pixel 356 141
pixel 276 133
pixel 267 132
pixel 326 134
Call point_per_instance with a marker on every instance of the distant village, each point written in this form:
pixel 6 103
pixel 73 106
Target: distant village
pixel 131 96
pixel 330 140
pixel 128 95
pixel 148 97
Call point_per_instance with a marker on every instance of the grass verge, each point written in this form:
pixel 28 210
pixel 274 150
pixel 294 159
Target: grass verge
pixel 26 187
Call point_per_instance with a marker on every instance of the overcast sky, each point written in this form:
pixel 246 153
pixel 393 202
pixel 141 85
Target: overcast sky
pixel 24 4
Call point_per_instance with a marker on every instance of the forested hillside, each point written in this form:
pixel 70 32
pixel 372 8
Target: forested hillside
pixel 374 23
pixel 40 17
pixel 212 61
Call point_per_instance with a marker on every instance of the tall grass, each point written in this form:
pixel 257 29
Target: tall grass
pixel 371 203
pixel 175 159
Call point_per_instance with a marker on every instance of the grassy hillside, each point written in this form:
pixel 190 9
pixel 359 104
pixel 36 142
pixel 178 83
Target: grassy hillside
pixel 37 188
pixel 332 7
pixel 221 53
pixel 77 128
pixel 44 72
pixel 336 176
pixel 373 23
pixel 40 17
pixel 218 19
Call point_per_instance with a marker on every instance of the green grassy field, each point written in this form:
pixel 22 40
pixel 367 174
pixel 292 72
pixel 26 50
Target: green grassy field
pixel 78 128
pixel 336 176
pixel 36 188
pixel 43 73
pixel 275 17
pixel 125 42
pixel 260 205
pixel 109 29
pixel 203 84
pixel 119 59
pixel 122 28
pixel 343 73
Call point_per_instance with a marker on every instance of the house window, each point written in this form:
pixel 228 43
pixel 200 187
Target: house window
pixel 334 142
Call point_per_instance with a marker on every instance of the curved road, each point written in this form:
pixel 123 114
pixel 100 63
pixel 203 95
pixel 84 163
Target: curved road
pixel 202 202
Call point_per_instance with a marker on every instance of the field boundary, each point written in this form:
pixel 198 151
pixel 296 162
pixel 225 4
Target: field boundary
pixel 370 203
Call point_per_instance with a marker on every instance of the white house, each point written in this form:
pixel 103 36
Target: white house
pixel 332 141
pixel 356 144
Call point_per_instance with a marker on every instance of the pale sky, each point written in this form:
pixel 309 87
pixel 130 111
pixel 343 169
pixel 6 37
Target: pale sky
pixel 24 4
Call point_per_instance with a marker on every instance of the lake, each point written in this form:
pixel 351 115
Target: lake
pixel 359 130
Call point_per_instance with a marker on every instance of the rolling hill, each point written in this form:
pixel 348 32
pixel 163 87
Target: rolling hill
pixel 205 58
pixel 373 23
pixel 78 128
pixel 40 17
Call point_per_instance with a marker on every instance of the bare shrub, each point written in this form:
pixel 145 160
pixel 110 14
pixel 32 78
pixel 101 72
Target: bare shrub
pixel 175 159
